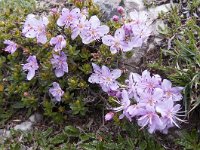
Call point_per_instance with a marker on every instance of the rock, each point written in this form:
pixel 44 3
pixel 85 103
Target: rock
pixel 35 118
pixel 108 7
pixel 162 8
pixel 24 126
pixel 134 4
pixel 5 133
pixel 27 125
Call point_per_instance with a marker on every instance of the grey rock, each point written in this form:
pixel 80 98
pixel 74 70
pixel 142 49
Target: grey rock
pixel 5 133
pixel 35 118
pixel 24 126
pixel 134 4
pixel 108 7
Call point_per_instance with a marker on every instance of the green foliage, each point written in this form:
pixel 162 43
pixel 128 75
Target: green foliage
pixel 190 140
pixel 13 12
pixel 180 57
pixel 17 93
pixel 74 138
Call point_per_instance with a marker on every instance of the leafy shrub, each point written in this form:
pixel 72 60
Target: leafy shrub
pixel 50 63
pixel 74 138
pixel 12 14
pixel 17 92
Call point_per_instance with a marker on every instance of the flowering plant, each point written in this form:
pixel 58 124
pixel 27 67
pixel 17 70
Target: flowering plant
pixel 59 50
pixel 148 99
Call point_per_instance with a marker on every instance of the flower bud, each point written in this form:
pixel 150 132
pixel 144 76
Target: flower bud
pixel 120 10
pixel 26 94
pixel 109 116
pixel 115 18
pixel 54 10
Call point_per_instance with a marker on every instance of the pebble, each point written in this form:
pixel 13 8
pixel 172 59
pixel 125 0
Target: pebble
pixel 24 126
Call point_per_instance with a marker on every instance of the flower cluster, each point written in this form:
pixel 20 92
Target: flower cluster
pixel 89 30
pixel 131 35
pixel 148 99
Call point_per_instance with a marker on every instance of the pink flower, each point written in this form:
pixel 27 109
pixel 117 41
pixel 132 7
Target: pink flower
pixel 169 113
pixel 124 104
pixel 115 18
pixel 95 30
pixel 151 99
pixel 141 33
pixel 109 116
pixel 117 42
pixel 151 119
pixel 135 110
pixel 11 46
pixel 59 43
pixel 78 28
pixel 60 64
pixel 105 77
pixel 139 17
pixel 136 34
pixel 68 17
pixel 171 93
pixel 35 28
pixel 56 91
pixel 54 10
pixel 120 10
pixel 146 82
pixel 31 67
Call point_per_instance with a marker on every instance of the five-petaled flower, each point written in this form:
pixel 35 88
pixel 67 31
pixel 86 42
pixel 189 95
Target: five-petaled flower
pixel 172 93
pixel 11 46
pixel 56 91
pixel 31 67
pixel 59 62
pixel 170 114
pixel 77 29
pixel 95 30
pixel 68 17
pixel 105 77
pixel 59 42
pixel 35 28
pixel 117 42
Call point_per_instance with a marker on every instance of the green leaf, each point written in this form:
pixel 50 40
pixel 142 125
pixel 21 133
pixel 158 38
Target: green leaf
pixel 72 131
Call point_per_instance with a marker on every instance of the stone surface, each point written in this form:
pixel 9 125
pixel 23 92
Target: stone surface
pixel 27 125
pixel 5 133
pixel 134 4
pixel 35 118
pixel 24 126
pixel 108 7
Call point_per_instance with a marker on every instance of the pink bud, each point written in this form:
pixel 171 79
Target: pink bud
pixel 115 18
pixel 54 10
pixel 109 116
pixel 120 10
